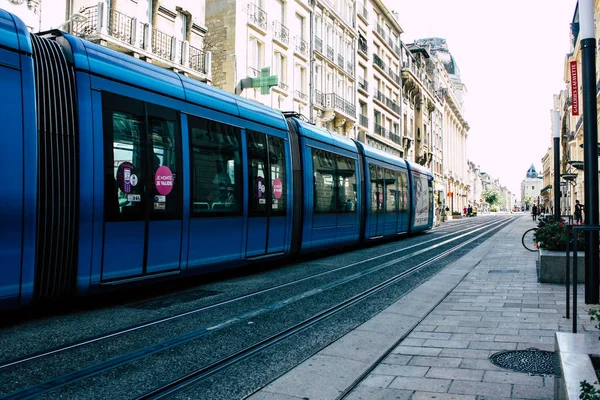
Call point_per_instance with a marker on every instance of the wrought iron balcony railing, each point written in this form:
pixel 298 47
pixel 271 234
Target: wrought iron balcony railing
pixel 336 102
pixel 363 84
pixel 301 46
pixel 362 47
pixel 330 53
pixel 257 16
pixel 163 45
pixel 319 98
pixel 378 61
pixel 281 32
pixel 120 26
pixel 123 28
pixel 340 60
pixel 318 44
pixel 363 121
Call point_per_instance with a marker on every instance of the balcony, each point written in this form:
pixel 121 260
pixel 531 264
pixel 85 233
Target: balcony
pixel 319 98
pixel 164 45
pixel 363 121
pixel 363 48
pixel 123 33
pixel 337 103
pixel 394 137
pixel 257 16
pixel 281 33
pixel 282 87
pixel 388 71
pixel 301 96
pixel 386 101
pixel 330 53
pixel 340 61
pixel 380 31
pixel 318 44
pixel 350 67
pixel 363 85
pixel 301 46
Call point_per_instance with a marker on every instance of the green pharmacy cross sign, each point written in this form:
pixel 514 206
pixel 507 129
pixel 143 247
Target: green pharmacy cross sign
pixel 265 81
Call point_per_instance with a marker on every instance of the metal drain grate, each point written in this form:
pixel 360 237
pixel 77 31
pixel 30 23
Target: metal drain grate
pixel 503 271
pixel 532 361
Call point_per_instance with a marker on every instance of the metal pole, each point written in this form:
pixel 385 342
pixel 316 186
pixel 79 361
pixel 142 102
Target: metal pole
pixel 590 146
pixel 556 132
pixel 311 63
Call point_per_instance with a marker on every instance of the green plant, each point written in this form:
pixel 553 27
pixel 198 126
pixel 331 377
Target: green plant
pixel 553 236
pixel 455 213
pixel 588 391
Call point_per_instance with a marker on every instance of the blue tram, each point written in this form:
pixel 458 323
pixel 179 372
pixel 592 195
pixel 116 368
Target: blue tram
pixel 117 171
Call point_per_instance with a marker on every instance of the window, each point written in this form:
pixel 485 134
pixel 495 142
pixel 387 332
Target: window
pixel 300 79
pixel 279 64
pixel 391 191
pixel 300 26
pixel 376 188
pixel 334 183
pixel 142 161
pixel 280 6
pixel 215 168
pixel 255 54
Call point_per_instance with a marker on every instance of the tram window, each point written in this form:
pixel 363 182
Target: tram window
pixel 346 184
pixel 125 180
pixel 216 168
pixel 391 191
pixel 164 142
pixel 324 181
pixel 403 191
pixel 376 188
pixel 278 177
pixel 257 173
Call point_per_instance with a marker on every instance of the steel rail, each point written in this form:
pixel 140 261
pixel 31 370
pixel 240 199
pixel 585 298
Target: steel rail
pixel 206 371
pixel 117 333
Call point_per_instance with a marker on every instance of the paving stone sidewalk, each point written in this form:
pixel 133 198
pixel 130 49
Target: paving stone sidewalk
pixel 495 303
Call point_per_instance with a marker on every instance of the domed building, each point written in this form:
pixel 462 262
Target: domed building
pixel 531 187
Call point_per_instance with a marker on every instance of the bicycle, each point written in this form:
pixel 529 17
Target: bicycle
pixel 528 239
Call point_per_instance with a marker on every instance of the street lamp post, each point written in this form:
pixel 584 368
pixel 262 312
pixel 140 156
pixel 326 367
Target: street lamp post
pixel 556 131
pixel 590 146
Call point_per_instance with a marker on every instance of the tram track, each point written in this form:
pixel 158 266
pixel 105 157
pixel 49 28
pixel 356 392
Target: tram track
pixel 192 378
pixel 455 234
pixel 211 368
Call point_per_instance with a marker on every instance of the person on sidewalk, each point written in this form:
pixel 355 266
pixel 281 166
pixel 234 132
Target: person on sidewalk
pixel 534 211
pixel 578 213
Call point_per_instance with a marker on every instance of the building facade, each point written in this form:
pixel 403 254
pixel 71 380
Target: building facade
pixel 531 188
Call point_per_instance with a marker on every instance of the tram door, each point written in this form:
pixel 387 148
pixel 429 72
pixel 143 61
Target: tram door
pixel 267 198
pixel 377 198
pixel 143 189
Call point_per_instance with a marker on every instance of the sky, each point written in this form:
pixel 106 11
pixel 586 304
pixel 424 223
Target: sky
pixel 511 57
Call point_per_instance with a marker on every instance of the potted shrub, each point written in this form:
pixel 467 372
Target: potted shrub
pixel 551 240
pixel 456 215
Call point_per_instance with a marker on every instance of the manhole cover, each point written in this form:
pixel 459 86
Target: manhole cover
pixel 532 361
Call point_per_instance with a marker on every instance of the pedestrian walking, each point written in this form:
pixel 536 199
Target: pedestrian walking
pixel 534 211
pixel 578 213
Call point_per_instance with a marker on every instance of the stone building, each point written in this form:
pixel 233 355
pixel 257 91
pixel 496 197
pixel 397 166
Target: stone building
pixel 531 188
pixel 379 83
pixel 160 32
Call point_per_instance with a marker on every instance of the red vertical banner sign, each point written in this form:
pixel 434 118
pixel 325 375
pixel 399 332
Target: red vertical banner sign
pixel 574 89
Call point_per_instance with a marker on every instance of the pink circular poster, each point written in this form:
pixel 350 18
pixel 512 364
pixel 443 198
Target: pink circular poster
pixel 277 188
pixel 163 180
